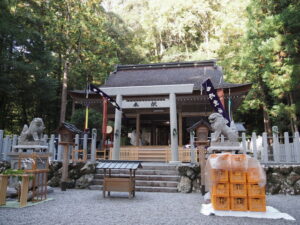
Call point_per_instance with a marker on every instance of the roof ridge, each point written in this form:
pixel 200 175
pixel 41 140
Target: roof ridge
pixel 166 65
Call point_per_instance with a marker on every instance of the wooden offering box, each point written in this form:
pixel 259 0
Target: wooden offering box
pixel 122 184
pixel 116 182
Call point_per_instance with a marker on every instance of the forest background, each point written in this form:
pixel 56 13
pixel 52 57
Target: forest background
pixel 50 47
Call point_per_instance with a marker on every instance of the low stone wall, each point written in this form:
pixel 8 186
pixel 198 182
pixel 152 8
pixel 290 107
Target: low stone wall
pixel 4 165
pixel 280 179
pixel 80 176
pixel 283 180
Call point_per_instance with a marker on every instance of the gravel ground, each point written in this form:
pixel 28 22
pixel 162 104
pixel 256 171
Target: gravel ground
pixel 88 207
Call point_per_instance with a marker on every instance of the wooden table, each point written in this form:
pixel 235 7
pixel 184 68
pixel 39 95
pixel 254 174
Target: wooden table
pixel 24 188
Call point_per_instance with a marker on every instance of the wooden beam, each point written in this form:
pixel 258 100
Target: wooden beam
pixel 149 90
pixel 193 114
pixel 138 127
pixel 180 127
pixel 104 122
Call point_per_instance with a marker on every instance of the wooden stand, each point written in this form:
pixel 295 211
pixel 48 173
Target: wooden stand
pixel 120 183
pixel 201 148
pixel 24 188
pixel 39 170
pixel 64 176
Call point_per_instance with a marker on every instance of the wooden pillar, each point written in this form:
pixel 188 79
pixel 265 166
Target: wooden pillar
pixel 173 128
pixel 180 127
pixel 220 93
pixel 3 188
pixel 65 165
pixel 24 190
pixel 138 129
pixel 93 145
pixel 117 131
pixel 104 123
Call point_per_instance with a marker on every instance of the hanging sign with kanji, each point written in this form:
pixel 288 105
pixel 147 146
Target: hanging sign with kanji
pixel 215 100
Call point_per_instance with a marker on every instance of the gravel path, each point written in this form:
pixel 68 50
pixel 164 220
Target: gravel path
pixel 78 207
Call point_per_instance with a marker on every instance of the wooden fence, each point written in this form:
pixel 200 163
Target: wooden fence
pixel 153 153
pixel 278 149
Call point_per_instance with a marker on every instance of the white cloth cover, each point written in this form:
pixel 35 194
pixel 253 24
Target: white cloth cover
pixel 271 213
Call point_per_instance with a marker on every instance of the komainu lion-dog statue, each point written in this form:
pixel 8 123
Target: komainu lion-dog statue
pixel 218 124
pixel 33 133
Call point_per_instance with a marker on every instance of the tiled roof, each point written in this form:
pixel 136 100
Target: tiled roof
pixel 72 128
pixel 119 164
pixel 168 74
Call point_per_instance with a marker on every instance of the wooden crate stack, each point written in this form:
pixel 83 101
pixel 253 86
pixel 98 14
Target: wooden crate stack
pixel 236 187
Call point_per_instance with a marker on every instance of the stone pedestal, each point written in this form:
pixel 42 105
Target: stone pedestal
pixel 225 147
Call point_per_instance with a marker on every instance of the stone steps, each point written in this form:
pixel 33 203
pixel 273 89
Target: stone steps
pixel 142 189
pixel 148 177
pixel 142 172
pixel 145 183
pixel 153 177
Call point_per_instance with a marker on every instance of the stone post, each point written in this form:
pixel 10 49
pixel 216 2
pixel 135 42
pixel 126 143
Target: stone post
pixel 276 150
pixel 244 143
pixel 297 146
pixel 287 148
pixel 93 146
pixel 76 146
pixel 6 147
pixel 254 144
pixel 59 149
pixel 52 147
pixel 117 131
pixel 85 141
pixel 265 155
pixel 173 128
pixel 192 143
pixel 15 140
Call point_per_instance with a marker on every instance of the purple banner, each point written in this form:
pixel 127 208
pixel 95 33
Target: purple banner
pixel 215 100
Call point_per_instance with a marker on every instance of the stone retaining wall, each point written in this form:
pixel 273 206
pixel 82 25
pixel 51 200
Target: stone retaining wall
pixel 280 179
pixel 81 175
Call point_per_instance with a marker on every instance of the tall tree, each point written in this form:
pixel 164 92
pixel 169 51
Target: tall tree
pixel 25 65
pixel 268 57
pixel 76 34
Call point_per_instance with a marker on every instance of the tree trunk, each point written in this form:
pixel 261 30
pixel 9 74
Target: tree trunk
pixel 63 106
pixel 267 123
pixel 293 116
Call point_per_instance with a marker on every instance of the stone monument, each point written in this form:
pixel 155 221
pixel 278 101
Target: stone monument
pixel 31 140
pixel 219 126
pixel 32 135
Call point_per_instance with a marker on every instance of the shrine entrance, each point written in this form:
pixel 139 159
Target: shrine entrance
pixel 155 129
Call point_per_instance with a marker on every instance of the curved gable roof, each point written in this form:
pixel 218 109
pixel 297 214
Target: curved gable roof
pixel 167 74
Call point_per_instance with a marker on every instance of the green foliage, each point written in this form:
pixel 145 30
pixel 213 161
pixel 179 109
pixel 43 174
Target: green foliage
pixel 26 64
pixel 13 172
pixel 95 119
pixel 41 42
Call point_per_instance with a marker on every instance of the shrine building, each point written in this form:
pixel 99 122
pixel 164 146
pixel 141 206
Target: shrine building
pixel 160 101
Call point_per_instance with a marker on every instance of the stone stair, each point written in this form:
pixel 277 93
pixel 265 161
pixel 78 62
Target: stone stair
pixel 153 177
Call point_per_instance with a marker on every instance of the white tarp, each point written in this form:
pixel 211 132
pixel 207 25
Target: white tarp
pixel 271 213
